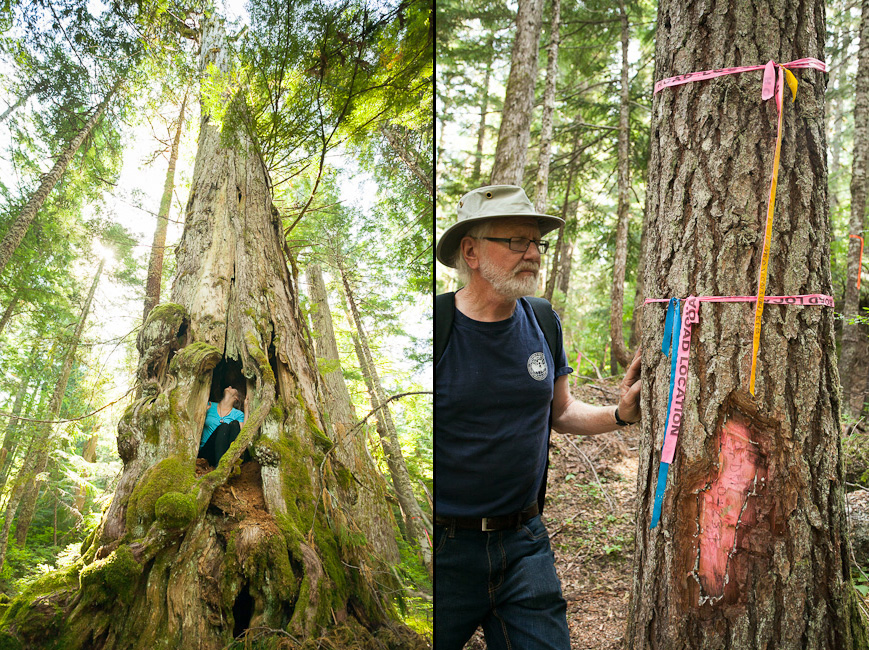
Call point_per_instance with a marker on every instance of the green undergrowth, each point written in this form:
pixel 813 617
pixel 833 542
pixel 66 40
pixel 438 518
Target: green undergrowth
pixel 35 621
pixel 276 567
pixel 855 449
pixel 349 635
pixel 416 610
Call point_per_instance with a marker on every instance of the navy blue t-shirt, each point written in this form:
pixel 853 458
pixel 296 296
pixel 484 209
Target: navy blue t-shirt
pixel 493 390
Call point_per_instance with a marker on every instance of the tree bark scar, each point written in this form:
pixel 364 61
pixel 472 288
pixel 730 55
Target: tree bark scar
pixel 727 505
pixel 733 513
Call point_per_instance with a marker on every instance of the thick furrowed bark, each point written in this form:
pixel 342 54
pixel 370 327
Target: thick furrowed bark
pixel 783 562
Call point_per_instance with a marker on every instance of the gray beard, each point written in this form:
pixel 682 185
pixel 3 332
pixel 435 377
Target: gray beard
pixel 507 282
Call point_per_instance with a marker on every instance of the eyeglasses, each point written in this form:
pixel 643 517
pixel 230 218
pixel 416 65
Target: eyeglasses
pixel 521 244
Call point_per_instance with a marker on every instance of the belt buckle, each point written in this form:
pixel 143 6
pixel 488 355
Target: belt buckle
pixel 486 528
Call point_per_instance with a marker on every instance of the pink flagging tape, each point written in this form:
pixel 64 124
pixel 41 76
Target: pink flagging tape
pixel 711 74
pixel 808 299
pixel 690 315
pixel 772 86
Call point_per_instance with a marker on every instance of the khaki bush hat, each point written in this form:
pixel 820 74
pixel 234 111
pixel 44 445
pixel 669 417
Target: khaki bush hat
pixel 490 202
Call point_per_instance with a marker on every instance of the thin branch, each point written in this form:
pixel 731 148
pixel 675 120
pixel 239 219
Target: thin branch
pixel 593 471
pixel 18 417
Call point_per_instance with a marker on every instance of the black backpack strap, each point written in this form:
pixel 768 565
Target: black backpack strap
pixel 445 309
pixel 546 319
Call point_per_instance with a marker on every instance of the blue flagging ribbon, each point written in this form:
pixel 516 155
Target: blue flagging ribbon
pixel 669 347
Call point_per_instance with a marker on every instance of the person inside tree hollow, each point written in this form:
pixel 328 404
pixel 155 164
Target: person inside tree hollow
pixel 500 381
pixel 223 422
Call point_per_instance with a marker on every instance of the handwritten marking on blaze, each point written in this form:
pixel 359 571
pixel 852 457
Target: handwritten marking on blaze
pixel 724 507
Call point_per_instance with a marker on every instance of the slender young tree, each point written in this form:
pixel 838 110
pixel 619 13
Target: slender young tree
pixel 158 246
pixel 22 500
pixel 416 523
pixel 482 126
pixel 852 401
pixel 752 547
pixel 11 434
pixel 13 439
pixel 617 293
pixel 560 251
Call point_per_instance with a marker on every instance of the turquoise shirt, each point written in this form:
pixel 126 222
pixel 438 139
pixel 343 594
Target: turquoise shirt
pixel 213 420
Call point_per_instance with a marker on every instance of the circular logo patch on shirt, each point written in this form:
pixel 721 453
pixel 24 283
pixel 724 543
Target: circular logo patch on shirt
pixel 537 366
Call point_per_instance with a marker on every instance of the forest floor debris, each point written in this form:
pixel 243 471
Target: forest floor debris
pixel 241 498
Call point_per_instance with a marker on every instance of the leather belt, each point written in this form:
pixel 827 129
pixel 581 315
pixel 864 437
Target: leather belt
pixel 490 524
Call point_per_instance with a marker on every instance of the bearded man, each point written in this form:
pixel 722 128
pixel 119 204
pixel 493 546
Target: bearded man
pixel 500 382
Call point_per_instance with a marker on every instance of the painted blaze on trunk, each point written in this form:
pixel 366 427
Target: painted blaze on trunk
pixel 751 551
pixel 186 559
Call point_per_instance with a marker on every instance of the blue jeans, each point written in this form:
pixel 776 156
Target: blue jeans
pixel 504 581
pixel 219 441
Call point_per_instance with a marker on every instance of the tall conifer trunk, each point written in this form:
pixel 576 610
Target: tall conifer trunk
pixel 560 251
pixel 15 106
pixel 181 560
pixel 409 158
pixel 617 293
pixel 11 435
pixel 10 309
pixel 350 440
pixel 14 434
pixel 776 575
pixel 477 172
pixel 515 131
pixel 25 217
pixel 416 523
pixel 852 337
pixel 541 185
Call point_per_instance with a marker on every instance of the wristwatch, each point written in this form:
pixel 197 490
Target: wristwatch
pixel 621 422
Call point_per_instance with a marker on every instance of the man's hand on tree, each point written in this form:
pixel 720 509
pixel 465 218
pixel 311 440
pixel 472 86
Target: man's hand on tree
pixel 629 390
